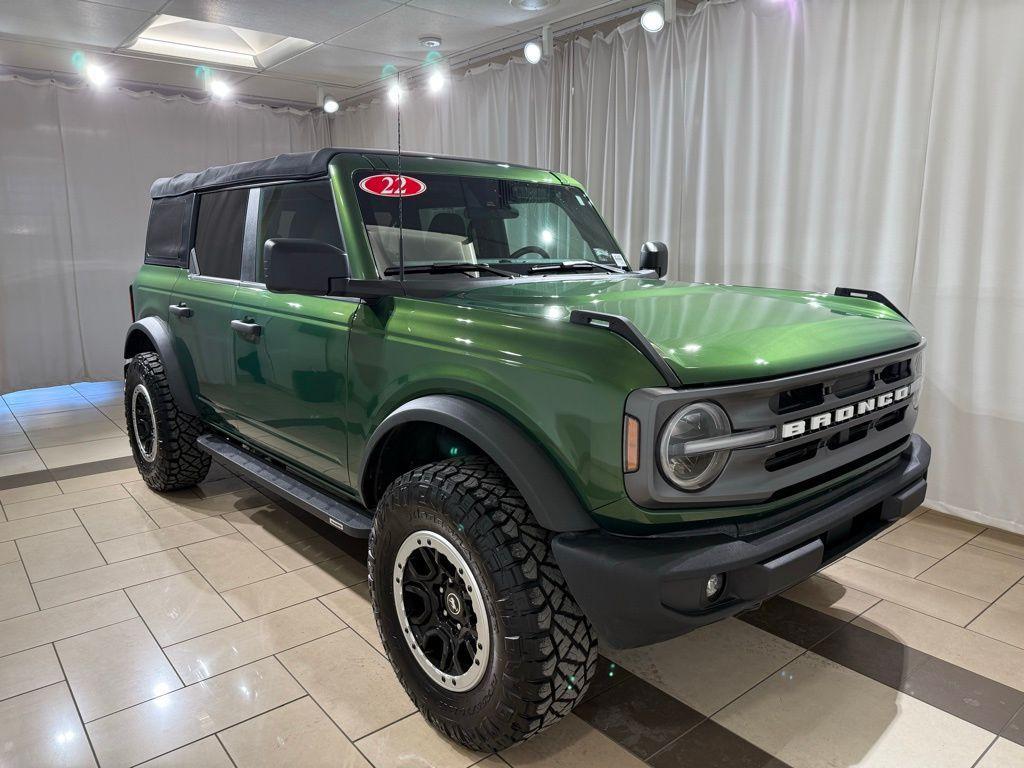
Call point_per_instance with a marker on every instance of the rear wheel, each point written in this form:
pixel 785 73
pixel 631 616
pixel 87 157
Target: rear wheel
pixel 163 438
pixel 472 608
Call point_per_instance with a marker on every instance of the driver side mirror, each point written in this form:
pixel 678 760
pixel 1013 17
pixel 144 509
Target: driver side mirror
pixel 654 255
pixel 301 265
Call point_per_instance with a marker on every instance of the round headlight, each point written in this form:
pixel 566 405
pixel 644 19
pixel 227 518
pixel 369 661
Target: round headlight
pixel 695 421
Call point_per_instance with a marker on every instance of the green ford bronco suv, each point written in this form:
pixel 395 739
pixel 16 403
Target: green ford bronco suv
pixel 543 445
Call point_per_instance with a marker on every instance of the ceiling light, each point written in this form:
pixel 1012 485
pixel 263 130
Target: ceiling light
pixel 330 105
pixel 430 41
pixel 436 81
pixel 653 19
pixel 532 51
pixel 219 89
pixel 395 93
pixel 96 75
pixel 532 5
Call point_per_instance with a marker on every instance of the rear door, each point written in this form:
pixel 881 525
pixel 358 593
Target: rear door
pixel 291 377
pixel 201 308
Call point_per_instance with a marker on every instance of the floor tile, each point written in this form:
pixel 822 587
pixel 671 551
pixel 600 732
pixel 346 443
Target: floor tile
pixel 21 509
pixel 711 666
pixel 115 413
pixel 113 519
pixel 79 453
pixel 42 728
pixel 352 605
pixel 40 393
pixel 933 534
pixel 8 552
pixel 180 607
pixel 297 734
pixel 38 422
pixel 22 461
pixel 115 667
pixel 269 526
pixel 107 400
pixel 52 624
pixel 965 648
pixel 972 698
pixel 33 526
pixel 55 554
pixel 16 597
pixel 638 716
pixel 29 670
pixel 177 718
pixel 164 538
pixel 817 713
pixel 230 561
pixel 107 578
pixel 793 621
pixel 607 675
pixel 295 587
pixel 240 644
pixel 1004 620
pixel 1003 754
pixel 412 741
pixel 218 486
pixel 149 499
pixel 571 744
pixel 90 389
pixel 351 681
pixel 205 753
pixel 28 492
pixel 709 744
pixel 936 601
pixel 893 558
pixel 992 538
pixel 981 573
pixel 91 431
pixel 1014 731
pixel 53 405
pixel 98 480
pixel 13 443
pixel 882 658
pixel 299 554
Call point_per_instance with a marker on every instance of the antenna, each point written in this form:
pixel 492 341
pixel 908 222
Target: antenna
pixel 401 184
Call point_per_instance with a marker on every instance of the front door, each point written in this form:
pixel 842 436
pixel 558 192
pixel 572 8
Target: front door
pixel 290 373
pixel 202 303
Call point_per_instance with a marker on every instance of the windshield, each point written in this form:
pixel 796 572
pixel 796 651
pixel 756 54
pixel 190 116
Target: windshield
pixel 523 227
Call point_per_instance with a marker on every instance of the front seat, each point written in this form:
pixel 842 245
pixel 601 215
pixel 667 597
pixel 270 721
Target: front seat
pixel 447 223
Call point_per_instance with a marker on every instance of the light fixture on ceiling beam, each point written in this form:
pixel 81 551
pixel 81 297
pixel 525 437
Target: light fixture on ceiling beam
pixel 653 18
pixel 437 81
pixel 395 92
pixel 96 74
pixel 534 51
pixel 219 89
pixel 327 103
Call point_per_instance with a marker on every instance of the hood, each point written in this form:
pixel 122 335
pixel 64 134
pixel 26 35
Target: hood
pixel 716 333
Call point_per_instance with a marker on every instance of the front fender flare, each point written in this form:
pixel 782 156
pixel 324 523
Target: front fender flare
pixel 159 334
pixel 549 496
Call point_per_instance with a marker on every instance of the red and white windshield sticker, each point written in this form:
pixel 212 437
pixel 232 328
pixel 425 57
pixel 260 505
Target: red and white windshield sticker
pixel 392 185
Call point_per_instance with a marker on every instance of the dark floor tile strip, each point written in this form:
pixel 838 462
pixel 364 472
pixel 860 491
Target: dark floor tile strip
pixel 65 473
pixel 25 478
pixel 1014 730
pixel 964 694
pixel 660 729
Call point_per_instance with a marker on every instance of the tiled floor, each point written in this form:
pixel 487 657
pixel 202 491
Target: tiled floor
pixel 215 627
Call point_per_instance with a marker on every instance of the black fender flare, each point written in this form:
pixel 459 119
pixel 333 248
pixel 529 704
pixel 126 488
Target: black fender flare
pixel 159 334
pixel 549 496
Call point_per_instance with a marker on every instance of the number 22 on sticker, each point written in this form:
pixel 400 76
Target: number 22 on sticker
pixel 392 185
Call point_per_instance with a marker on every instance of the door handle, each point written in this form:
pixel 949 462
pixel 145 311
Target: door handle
pixel 247 330
pixel 181 310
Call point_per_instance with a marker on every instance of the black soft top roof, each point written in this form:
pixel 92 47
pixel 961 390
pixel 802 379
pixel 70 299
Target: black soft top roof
pixel 294 166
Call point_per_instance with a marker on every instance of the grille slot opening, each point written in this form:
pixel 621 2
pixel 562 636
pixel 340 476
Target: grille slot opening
pixel 851 435
pixel 854 385
pixel 896 372
pixel 797 399
pixel 790 456
pixel 890 419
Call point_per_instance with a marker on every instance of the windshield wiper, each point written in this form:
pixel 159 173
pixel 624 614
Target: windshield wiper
pixel 569 266
pixel 442 268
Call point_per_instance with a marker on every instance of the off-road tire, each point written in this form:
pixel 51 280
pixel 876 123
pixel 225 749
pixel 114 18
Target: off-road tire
pixel 179 462
pixel 543 651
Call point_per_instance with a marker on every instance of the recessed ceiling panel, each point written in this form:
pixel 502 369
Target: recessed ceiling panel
pixel 316 20
pixel 505 14
pixel 71 21
pixel 334 64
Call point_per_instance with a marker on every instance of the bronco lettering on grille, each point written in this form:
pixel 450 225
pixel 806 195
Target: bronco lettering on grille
pixel 844 413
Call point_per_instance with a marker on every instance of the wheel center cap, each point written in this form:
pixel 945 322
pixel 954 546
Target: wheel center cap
pixel 453 603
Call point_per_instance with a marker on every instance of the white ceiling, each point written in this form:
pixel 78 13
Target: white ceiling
pixel 352 40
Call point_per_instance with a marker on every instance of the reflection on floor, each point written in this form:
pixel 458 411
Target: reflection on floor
pixel 214 627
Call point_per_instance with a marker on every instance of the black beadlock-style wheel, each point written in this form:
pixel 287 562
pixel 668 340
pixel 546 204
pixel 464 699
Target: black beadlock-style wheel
pixel 163 439
pixel 474 612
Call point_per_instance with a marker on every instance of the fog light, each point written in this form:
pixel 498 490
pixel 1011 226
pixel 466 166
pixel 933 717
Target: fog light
pixel 714 586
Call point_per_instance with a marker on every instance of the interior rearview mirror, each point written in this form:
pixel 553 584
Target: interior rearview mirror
pixel 301 265
pixel 654 255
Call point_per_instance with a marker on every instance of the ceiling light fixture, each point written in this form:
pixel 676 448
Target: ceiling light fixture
pixel 653 18
pixel 96 75
pixel 430 41
pixel 532 5
pixel 330 105
pixel 219 89
pixel 395 93
pixel 532 51
pixel 436 81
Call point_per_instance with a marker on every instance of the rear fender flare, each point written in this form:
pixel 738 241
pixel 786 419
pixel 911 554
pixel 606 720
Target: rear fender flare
pixel 160 338
pixel 545 489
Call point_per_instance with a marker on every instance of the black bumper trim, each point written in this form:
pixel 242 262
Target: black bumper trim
pixel 644 590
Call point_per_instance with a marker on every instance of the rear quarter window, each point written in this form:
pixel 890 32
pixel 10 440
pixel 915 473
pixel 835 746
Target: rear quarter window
pixel 167 237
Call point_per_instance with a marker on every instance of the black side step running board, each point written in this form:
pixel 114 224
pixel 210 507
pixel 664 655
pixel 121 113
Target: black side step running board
pixel 346 517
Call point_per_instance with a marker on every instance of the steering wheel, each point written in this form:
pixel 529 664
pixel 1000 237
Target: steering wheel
pixel 520 252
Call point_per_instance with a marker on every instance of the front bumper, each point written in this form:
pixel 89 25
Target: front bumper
pixel 639 590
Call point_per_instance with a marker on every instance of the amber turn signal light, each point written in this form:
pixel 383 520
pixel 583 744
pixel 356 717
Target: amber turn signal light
pixel 631 445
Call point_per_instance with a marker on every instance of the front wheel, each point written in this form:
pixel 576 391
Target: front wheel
pixel 474 612
pixel 163 438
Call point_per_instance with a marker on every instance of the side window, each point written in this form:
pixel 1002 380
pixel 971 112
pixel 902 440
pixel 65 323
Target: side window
pixel 219 232
pixel 304 209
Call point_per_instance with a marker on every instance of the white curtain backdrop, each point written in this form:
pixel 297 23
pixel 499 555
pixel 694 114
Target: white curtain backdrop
pixel 76 165
pixel 807 144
